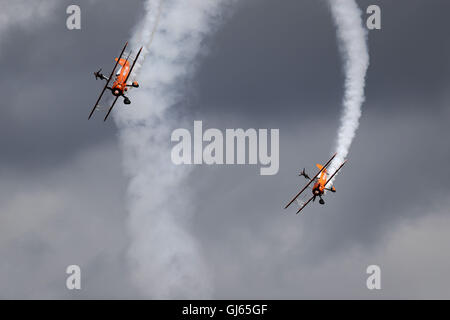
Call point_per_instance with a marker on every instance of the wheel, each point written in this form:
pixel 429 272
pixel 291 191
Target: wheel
pixel 126 101
pixel 321 201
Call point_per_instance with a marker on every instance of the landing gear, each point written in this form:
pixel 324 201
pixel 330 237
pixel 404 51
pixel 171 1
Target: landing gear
pixel 321 201
pixel 126 101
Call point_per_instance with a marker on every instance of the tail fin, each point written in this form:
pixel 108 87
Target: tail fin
pixel 122 61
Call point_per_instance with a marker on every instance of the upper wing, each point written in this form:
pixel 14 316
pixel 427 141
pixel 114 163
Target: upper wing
pixel 313 179
pixel 107 82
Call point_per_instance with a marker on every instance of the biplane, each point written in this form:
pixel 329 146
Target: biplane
pixel 319 187
pixel 119 86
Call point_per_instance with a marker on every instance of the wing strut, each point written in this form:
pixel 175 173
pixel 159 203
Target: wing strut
pixel 107 82
pixel 313 179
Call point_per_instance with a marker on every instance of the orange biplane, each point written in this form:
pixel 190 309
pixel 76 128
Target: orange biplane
pixel 120 85
pixel 320 184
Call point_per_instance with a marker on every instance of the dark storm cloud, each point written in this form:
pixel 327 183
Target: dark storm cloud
pixel 72 215
pixel 271 54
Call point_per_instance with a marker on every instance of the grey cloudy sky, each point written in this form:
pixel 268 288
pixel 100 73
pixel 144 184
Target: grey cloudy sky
pixel 271 64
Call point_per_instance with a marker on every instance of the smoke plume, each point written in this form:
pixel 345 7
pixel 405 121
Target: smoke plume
pixel 352 39
pixel 166 260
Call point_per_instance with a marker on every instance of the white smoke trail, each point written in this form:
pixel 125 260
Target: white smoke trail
pixel 166 260
pixel 352 38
